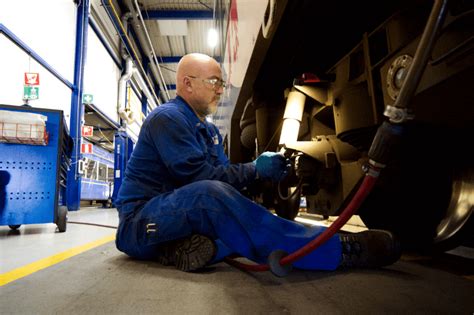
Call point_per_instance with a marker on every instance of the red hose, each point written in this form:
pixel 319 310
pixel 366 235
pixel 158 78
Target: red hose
pixel 363 191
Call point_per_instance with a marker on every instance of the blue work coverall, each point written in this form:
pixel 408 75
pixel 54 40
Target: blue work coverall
pixel 178 182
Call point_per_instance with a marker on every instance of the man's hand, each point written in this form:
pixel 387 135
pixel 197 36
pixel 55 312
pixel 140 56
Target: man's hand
pixel 273 166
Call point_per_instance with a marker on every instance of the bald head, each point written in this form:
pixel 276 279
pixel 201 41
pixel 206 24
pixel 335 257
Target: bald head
pixel 192 76
pixel 193 65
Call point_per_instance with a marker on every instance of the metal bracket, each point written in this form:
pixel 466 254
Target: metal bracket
pixel 398 115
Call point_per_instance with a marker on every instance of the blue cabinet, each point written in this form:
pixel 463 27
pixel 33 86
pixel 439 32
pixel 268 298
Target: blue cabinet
pixel 33 171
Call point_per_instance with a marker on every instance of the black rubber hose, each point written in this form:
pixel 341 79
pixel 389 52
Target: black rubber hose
pixel 93 224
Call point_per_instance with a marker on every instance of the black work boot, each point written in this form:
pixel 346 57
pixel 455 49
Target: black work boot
pixel 188 254
pixel 369 249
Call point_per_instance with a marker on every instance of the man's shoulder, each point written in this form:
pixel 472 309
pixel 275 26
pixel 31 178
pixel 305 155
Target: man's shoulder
pixel 214 127
pixel 166 115
pixel 170 109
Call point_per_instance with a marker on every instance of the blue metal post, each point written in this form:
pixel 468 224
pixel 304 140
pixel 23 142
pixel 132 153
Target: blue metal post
pixel 77 108
pixel 122 152
pixel 144 99
pixel 170 59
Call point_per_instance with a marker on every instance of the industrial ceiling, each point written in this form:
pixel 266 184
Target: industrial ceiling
pixel 158 33
pixel 167 29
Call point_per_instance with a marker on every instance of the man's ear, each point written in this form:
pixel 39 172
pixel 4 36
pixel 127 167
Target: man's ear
pixel 187 84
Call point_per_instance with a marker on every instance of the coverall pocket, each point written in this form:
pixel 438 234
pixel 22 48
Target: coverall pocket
pixel 162 228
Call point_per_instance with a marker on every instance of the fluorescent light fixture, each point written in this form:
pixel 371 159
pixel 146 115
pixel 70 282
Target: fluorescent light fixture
pixel 212 38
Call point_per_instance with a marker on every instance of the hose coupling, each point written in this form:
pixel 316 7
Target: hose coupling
pixel 387 141
pixel 398 115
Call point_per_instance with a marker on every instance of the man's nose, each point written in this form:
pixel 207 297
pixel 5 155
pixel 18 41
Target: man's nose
pixel 219 90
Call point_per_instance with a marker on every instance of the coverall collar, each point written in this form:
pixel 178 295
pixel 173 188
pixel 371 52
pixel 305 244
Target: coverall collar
pixel 187 110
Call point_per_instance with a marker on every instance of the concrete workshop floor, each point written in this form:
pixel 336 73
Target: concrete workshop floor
pixel 81 272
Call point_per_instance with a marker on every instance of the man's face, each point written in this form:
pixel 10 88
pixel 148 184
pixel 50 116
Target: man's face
pixel 207 90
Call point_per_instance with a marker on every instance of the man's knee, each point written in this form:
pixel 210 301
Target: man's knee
pixel 215 187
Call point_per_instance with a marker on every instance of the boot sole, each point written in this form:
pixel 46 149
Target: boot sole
pixel 189 254
pixel 194 253
pixel 380 248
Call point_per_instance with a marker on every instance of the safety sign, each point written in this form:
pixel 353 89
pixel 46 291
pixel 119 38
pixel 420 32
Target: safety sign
pixel 32 78
pixel 30 92
pixel 86 148
pixel 87 98
pixel 87 131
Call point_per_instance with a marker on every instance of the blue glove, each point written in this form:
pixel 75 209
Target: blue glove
pixel 271 165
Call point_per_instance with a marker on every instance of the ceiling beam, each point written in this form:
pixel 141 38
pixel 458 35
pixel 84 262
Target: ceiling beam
pixel 178 15
pixel 175 59
pixel 169 59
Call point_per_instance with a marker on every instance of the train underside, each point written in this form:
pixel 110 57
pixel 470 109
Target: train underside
pixel 345 62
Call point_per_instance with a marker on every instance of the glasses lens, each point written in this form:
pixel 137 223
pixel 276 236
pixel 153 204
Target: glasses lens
pixel 217 83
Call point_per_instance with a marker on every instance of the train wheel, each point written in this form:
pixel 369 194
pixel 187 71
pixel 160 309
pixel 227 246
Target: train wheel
pixel 457 226
pixel 425 196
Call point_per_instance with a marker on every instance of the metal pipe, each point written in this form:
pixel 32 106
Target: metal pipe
pixel 127 116
pixel 141 83
pixel 390 134
pixel 131 71
pixel 155 65
pixel 124 19
pixel 423 51
pixel 114 17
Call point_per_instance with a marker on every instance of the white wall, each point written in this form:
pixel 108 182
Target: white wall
pixel 101 76
pixel 53 94
pixel 48 28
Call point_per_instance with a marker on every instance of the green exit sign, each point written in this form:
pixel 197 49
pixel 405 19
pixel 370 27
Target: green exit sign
pixel 30 92
pixel 87 98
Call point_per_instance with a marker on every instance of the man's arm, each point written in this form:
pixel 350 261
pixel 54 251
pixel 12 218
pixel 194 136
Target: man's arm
pixel 183 155
pixel 221 156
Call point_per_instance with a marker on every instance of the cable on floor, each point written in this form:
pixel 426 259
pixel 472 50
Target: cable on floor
pixel 93 224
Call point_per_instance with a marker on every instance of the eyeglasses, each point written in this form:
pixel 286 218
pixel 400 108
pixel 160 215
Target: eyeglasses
pixel 216 83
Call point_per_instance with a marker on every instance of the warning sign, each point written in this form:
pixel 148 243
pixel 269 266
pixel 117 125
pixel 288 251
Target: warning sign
pixel 87 131
pixel 86 148
pixel 32 78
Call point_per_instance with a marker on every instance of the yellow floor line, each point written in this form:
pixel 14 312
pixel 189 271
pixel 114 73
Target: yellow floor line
pixel 26 270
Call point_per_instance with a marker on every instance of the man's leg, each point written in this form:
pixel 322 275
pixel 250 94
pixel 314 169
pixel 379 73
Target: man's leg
pixel 219 211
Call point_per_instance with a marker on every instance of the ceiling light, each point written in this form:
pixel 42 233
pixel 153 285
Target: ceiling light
pixel 212 38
